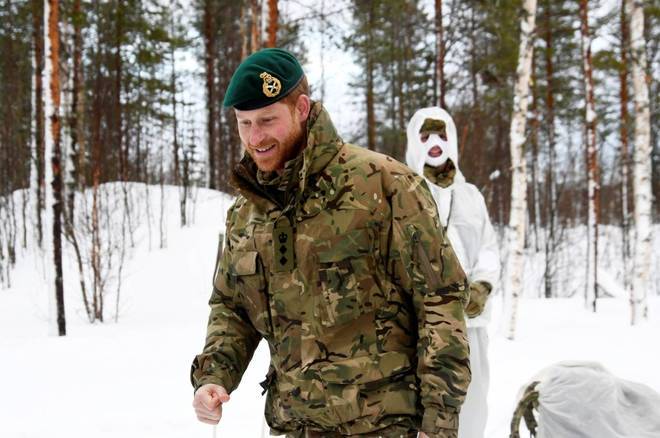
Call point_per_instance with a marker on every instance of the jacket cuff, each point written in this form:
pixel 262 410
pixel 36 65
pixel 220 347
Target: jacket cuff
pixel 202 372
pixel 440 424
pixel 209 379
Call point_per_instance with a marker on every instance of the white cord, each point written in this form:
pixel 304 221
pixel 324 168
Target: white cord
pixel 215 428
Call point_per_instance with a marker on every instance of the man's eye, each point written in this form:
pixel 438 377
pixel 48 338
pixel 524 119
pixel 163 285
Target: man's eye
pixel 424 137
pixel 443 136
pixel 245 123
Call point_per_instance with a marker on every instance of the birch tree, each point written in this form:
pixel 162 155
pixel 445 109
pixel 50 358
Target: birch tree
pixel 516 232
pixel 53 171
pixel 209 64
pixel 624 155
pixel 552 212
pixel 76 119
pixel 39 135
pixel 642 164
pixel 593 188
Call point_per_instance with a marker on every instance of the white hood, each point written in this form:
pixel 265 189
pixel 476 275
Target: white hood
pixel 417 151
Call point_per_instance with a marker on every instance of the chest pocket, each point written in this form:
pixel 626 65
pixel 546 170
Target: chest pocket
pixel 348 278
pixel 247 275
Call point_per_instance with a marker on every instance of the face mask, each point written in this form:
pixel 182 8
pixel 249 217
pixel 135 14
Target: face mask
pixel 434 139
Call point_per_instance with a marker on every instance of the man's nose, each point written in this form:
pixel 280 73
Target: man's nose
pixel 256 136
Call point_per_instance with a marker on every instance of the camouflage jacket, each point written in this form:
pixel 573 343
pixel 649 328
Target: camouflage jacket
pixel 355 288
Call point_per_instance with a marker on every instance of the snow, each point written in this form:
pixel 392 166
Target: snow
pixel 130 379
pixel 609 285
pixel 550 331
pixel 494 175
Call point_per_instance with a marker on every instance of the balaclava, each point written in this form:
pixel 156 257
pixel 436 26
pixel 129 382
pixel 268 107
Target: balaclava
pixel 432 146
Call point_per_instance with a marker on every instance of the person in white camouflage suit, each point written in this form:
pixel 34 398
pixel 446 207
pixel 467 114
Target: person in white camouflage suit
pixel 432 152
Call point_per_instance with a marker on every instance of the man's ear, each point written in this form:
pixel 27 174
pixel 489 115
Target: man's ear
pixel 303 106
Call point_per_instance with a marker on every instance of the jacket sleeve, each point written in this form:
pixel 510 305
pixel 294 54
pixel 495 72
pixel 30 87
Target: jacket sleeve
pixel 425 265
pixel 231 339
pixel 487 265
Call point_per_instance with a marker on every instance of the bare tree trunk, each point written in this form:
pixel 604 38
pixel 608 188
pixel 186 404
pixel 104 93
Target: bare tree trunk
pixel 96 239
pixel 255 41
pixel 224 166
pixel 54 38
pixel 175 136
pixel 185 180
pixel 210 51
pixel 322 52
pixel 77 158
pixel 273 18
pixel 551 200
pixel 243 31
pixel 593 182
pixel 161 217
pixel 535 158
pixel 371 112
pixel 146 190
pixel 5 272
pixel 76 122
pixel 122 258
pixel 175 133
pixel 440 55
pixel 24 204
pixel 118 65
pixel 625 159
pixel 95 251
pixel 516 234
pixel 642 164
pixel 473 59
pixel 38 24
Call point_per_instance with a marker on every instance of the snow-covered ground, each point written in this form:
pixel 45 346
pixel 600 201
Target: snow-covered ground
pixel 130 378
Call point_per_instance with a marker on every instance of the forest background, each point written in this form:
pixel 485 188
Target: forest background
pixel 115 153
pixel 101 94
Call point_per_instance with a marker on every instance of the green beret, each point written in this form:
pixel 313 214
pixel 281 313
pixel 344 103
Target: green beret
pixel 263 78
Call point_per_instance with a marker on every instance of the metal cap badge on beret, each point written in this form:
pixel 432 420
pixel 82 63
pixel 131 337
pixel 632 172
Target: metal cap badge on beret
pixel 263 78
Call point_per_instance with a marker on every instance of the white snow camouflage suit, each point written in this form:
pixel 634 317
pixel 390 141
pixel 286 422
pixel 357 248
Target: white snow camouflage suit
pixel 463 212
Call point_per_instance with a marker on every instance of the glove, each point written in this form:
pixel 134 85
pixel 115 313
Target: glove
pixel 479 291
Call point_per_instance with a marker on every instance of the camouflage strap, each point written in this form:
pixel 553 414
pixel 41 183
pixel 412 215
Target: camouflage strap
pixel 525 409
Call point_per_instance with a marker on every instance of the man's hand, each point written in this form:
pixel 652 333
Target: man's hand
pixel 208 403
pixel 422 435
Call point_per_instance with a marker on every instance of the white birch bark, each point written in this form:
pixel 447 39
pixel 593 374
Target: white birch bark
pixel 516 232
pixel 49 268
pixel 624 153
pixel 641 164
pixel 592 162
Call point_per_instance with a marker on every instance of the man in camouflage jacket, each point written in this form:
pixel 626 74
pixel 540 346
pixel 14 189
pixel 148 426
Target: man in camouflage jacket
pixel 335 256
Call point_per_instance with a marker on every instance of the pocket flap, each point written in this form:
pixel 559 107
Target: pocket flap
pixel 245 262
pixel 352 244
pixel 366 368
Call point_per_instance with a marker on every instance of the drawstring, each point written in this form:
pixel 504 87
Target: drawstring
pixel 451 207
